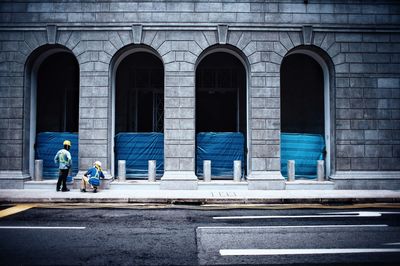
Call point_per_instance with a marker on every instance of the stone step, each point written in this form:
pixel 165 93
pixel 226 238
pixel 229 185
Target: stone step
pixel 309 185
pixel 45 184
pixel 213 185
pixel 145 185
pixel 135 185
pixel 222 185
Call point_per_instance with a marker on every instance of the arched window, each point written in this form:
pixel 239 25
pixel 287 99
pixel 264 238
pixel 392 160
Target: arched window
pixel 139 94
pixel 58 94
pixel 221 113
pixel 138 89
pixel 302 95
pixel 52 105
pixel 305 112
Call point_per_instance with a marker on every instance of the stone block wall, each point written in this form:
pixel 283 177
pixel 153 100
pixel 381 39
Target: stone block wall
pixel 367 101
pixel 361 41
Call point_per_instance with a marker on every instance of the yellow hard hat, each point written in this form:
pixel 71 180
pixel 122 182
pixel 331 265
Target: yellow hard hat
pixel 67 142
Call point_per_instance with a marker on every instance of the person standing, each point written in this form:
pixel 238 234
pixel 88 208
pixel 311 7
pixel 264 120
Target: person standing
pixel 64 160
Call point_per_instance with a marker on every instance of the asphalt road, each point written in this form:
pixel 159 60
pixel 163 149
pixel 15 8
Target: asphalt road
pixel 122 235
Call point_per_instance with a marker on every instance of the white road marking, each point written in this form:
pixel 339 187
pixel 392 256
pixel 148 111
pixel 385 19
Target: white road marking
pixel 294 226
pixel 272 252
pixel 362 212
pixel 322 215
pixel 392 244
pixel 43 227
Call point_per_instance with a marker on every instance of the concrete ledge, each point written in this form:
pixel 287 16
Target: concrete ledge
pixel 366 180
pixel 178 180
pixel 45 184
pixel 309 185
pixel 266 180
pixel 201 197
pixel 13 179
pixel 146 185
pixel 135 185
pixel 104 183
pixel 222 185
pixel 215 185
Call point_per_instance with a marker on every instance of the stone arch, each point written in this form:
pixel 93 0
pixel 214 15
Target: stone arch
pixel 116 61
pixel 242 98
pixel 323 59
pixel 32 66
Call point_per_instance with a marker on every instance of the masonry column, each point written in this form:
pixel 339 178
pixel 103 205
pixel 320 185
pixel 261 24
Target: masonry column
pixel 93 115
pixel 179 121
pixel 265 133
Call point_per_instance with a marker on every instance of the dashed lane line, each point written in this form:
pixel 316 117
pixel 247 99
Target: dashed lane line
pixel 274 252
pixel 393 244
pixel 16 209
pixel 45 227
pixel 291 226
pixel 320 215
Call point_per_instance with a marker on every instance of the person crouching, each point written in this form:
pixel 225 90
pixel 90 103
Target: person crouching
pixel 92 177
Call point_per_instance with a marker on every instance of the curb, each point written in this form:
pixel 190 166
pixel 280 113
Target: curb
pixel 203 201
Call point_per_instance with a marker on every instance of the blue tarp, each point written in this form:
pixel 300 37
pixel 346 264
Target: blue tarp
pixel 46 147
pixel 222 149
pixel 137 149
pixel 305 150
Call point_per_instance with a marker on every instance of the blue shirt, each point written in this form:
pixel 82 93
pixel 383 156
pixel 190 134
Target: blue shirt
pixel 94 172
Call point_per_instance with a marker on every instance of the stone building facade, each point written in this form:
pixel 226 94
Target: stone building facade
pixel 355 43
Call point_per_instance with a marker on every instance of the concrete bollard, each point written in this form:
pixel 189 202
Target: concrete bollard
pixel 122 170
pixel 321 170
pixel 237 170
pixel 291 170
pixel 38 175
pixel 207 170
pixel 152 170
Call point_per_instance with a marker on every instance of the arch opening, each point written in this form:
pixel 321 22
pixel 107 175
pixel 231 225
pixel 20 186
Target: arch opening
pixel 138 107
pixel 221 113
pixel 139 94
pixel 51 107
pixel 58 94
pixel 302 95
pixel 305 112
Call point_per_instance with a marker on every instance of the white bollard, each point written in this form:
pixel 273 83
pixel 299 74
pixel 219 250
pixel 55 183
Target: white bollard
pixel 321 170
pixel 152 170
pixel 237 170
pixel 122 170
pixel 207 170
pixel 38 175
pixel 291 170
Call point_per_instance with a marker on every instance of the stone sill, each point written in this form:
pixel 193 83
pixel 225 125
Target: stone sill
pixel 365 175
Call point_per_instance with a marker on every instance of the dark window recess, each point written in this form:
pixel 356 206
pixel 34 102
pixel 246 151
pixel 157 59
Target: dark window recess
pixel 221 94
pixel 302 95
pixel 139 97
pixel 58 94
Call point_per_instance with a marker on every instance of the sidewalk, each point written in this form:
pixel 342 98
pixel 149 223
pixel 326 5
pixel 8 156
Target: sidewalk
pixel 201 196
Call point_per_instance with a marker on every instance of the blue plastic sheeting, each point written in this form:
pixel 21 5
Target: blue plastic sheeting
pixel 137 149
pixel 305 150
pixel 48 144
pixel 222 149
